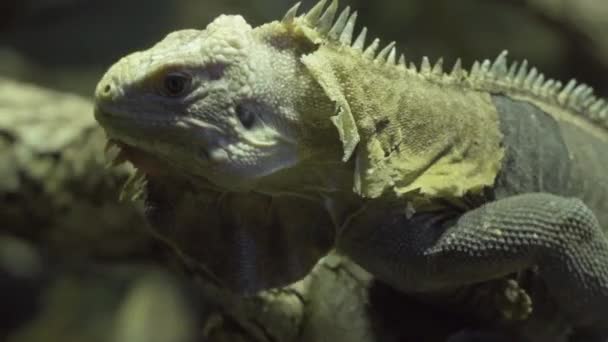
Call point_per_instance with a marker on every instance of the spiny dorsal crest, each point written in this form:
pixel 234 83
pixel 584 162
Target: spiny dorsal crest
pixel 519 78
pixel 493 76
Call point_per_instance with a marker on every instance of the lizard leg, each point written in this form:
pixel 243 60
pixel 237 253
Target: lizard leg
pixel 559 236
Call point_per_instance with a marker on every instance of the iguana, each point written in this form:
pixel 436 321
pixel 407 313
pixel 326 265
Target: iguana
pixel 433 180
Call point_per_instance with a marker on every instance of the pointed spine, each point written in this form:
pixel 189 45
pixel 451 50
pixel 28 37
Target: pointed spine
pixel 475 71
pixel 512 71
pixel 538 83
pixel 545 91
pixel 596 109
pixel 484 70
pixel 392 57
pixel 359 43
pixel 402 63
pixel 564 95
pixel 437 70
pixel 384 52
pixel 325 22
pixel 425 66
pixel 457 70
pixel 347 34
pixel 589 100
pixel 499 67
pixel 338 27
pixel 521 74
pixel 556 88
pixel 315 13
pixel 413 68
pixel 530 78
pixel 370 52
pixel 291 13
pixel 580 95
pixel 603 116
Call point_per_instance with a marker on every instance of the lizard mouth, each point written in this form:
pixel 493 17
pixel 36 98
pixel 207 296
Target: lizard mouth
pixel 118 152
pixel 148 169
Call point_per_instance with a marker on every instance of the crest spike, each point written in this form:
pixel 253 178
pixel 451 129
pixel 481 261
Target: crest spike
pixel 579 94
pixel 347 34
pixel 538 83
pixel 578 90
pixel 457 69
pixel 338 27
pixel 425 66
pixel 588 101
pixel 499 67
pixel 512 71
pixel 586 92
pixel 392 57
pixel 529 81
pixel 546 88
pixel 384 52
pixel 587 97
pixel 325 22
pixel 402 61
pixel 485 68
pixel 597 106
pixel 413 67
pixel 564 95
pixel 522 73
pixel 475 70
pixel 370 52
pixel 315 13
pixel 438 67
pixel 359 43
pixel 603 115
pixel 556 88
pixel 291 13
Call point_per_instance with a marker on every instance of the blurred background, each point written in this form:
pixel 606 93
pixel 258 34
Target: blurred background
pixel 76 265
pixel 66 44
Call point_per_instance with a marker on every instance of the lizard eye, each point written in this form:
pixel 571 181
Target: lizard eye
pixel 176 84
pixel 246 116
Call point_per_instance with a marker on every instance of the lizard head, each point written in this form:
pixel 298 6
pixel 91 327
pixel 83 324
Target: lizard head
pixel 228 104
pixel 229 109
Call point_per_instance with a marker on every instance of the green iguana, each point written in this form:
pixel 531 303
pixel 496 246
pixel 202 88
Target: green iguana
pixel 433 180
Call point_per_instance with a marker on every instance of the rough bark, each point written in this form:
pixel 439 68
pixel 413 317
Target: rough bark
pixel 54 186
pixel 48 301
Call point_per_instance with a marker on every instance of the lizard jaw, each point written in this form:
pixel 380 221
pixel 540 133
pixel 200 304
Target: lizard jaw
pixel 118 152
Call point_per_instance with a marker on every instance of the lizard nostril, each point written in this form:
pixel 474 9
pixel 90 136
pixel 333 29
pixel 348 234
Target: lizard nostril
pixel 106 90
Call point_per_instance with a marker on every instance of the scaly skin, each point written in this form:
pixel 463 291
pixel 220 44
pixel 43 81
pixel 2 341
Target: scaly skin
pixel 432 180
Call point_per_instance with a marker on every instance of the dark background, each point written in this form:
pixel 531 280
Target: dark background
pixel 68 44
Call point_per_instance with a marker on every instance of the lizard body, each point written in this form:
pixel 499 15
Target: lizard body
pixel 432 180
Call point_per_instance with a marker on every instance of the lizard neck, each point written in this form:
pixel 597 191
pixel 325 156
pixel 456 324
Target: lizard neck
pixel 417 138
pixel 316 177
